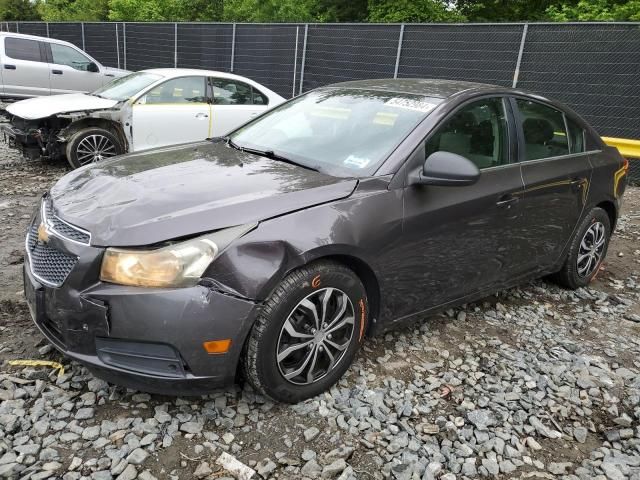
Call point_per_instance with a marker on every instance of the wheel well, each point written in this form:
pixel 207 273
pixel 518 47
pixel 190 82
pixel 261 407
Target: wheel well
pixel 109 125
pixel 368 278
pixel 610 208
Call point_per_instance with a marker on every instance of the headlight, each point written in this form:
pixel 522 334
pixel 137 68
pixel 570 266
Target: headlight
pixel 177 265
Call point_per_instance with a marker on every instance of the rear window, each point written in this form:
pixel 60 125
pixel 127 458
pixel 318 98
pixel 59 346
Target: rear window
pixel 545 133
pixel 22 49
pixel 576 137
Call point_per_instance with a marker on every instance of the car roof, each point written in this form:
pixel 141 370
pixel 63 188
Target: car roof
pixel 180 72
pixel 32 37
pixel 419 86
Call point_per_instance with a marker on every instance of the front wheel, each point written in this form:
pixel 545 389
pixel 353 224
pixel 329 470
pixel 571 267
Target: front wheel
pixel 92 145
pixel 587 250
pixel 307 333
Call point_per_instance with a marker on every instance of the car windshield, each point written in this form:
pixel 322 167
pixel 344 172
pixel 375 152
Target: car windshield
pixel 124 88
pixel 340 131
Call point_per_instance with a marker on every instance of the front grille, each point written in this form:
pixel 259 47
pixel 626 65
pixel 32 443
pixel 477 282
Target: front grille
pixel 47 263
pixel 63 228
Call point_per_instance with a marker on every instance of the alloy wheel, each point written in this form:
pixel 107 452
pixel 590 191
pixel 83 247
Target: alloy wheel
pixel 94 148
pixel 591 248
pixel 315 336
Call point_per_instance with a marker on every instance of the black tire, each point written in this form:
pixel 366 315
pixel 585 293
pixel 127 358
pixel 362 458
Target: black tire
pixel 110 142
pixel 569 276
pixel 260 365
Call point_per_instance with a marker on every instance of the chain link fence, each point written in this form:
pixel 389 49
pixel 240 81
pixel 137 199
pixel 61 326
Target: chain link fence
pixel 592 67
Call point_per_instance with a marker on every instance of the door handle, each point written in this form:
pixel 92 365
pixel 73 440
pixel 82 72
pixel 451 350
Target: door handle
pixel 56 72
pixel 506 201
pixel 201 115
pixel 254 114
pixel 9 67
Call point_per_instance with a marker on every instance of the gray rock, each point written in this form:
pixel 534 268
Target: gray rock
pixel 311 434
pixel 129 473
pixel 138 456
pixel 334 469
pixel 264 467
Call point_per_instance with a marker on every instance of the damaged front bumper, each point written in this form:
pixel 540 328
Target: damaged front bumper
pixel 21 140
pixel 148 339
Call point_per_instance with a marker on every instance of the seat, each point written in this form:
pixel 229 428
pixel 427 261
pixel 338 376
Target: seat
pixel 538 132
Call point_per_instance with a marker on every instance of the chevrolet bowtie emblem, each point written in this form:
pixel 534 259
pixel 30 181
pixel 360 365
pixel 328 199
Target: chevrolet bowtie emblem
pixel 43 235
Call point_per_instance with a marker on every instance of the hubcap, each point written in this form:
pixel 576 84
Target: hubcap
pixel 94 148
pixel 591 248
pixel 315 336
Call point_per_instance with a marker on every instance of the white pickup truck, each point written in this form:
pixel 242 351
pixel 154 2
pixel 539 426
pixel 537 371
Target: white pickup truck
pixel 34 66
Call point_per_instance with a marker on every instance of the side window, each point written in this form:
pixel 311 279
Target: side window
pixel 478 132
pixel 183 90
pixel 576 137
pixel 259 98
pixel 231 92
pixel 63 55
pixel 22 49
pixel 544 130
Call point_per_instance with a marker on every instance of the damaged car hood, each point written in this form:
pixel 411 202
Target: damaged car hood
pixel 43 107
pixel 146 198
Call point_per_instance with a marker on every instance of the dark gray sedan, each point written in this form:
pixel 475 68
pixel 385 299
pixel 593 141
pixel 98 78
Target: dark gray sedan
pixel 273 252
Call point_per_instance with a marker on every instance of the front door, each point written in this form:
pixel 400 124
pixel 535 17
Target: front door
pixel 176 111
pixel 69 71
pixel 25 71
pixel 234 103
pixel 556 173
pixel 460 240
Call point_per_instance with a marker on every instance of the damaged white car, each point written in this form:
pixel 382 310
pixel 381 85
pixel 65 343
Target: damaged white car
pixel 146 109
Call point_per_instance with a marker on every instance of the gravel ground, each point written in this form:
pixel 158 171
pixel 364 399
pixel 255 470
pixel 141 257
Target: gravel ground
pixel 534 382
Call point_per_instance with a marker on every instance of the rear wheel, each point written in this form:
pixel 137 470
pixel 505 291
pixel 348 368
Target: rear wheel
pixel 307 333
pixel 587 251
pixel 92 145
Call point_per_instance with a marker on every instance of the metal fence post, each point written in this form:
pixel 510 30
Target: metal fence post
pixel 124 43
pixel 304 56
pixel 82 28
pixel 516 73
pixel 233 46
pixel 117 45
pixel 17 28
pixel 400 38
pixel 47 25
pixel 295 63
pixel 175 45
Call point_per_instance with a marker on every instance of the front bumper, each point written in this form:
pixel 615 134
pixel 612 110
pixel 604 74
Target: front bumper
pixel 20 140
pixel 142 338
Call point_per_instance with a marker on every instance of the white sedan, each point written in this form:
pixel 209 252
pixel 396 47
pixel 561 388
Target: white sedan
pixel 146 109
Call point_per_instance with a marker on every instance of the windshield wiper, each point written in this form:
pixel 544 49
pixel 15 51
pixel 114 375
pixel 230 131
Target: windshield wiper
pixel 268 154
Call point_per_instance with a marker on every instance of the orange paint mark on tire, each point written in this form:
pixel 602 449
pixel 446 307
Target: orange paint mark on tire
pixel 362 318
pixel 315 283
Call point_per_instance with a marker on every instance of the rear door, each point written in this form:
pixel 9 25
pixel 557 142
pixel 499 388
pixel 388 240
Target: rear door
pixel 176 111
pixel 70 70
pixel 234 103
pixel 556 171
pixel 25 70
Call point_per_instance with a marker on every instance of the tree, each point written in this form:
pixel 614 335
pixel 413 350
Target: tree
pixel 73 10
pixel 15 10
pixel 595 10
pixel 165 10
pixel 340 10
pixel 267 11
pixel 504 10
pixel 411 11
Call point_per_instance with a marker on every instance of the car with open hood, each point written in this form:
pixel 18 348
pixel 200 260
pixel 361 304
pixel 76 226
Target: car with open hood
pixel 143 110
pixel 272 253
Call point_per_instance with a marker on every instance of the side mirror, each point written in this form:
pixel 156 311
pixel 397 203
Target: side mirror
pixel 446 169
pixel 93 67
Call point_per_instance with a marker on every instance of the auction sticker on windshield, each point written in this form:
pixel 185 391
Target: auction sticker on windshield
pixel 410 104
